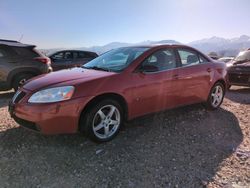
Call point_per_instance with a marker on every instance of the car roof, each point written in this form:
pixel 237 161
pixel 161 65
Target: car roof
pixel 73 51
pixel 14 43
pixel 159 45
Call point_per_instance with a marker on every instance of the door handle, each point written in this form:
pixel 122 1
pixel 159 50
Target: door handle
pixel 209 70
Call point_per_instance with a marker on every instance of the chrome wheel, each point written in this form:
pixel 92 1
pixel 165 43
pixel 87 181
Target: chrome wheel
pixel 217 96
pixel 106 122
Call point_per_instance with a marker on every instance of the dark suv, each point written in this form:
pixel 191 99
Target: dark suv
pixel 20 62
pixel 70 58
pixel 239 69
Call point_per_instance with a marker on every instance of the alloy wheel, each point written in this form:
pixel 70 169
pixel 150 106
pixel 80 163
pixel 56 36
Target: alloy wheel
pixel 217 96
pixel 106 121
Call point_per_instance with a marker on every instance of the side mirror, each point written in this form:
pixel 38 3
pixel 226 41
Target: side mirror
pixel 149 68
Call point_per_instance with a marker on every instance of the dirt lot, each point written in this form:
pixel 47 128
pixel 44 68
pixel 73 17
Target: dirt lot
pixel 185 147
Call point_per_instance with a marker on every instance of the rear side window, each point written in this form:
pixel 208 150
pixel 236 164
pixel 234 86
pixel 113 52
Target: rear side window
pixel 75 55
pixel 86 55
pixel 25 52
pixel 2 53
pixel 5 51
pixel 188 57
pixel 82 55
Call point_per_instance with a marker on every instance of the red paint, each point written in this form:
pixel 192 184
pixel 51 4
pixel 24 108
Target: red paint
pixel 144 93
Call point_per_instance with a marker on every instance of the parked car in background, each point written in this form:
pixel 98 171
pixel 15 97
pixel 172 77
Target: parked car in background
pixel 239 69
pixel 20 62
pixel 213 55
pixel 119 85
pixel 226 59
pixel 70 58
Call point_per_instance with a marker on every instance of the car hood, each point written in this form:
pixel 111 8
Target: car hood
pixel 76 75
pixel 241 63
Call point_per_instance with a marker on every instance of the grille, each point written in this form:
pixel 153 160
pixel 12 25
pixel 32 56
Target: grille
pixel 237 78
pixel 245 69
pixel 18 96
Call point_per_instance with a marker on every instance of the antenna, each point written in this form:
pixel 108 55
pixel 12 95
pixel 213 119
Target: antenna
pixel 21 38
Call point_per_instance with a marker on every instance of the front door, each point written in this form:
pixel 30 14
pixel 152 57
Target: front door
pixel 155 88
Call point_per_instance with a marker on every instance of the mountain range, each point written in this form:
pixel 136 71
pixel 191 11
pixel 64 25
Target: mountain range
pixel 222 46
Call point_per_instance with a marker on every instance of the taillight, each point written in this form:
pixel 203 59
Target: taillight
pixel 44 60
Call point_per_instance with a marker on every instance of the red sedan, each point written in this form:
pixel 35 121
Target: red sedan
pixel 120 85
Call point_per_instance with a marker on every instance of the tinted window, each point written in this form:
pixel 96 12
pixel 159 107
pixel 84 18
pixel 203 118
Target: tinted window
pixel 58 56
pixel 188 57
pixel 81 55
pixel 75 55
pixel 2 53
pixel 161 60
pixel 68 55
pixel 26 52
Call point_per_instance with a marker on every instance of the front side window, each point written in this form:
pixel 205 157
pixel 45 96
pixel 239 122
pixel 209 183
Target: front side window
pixel 160 60
pixel 58 56
pixel 188 57
pixel 116 60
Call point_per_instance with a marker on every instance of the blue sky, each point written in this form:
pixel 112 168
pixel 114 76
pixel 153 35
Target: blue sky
pixel 75 23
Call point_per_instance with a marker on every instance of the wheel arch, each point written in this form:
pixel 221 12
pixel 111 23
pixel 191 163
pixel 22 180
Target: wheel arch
pixel 117 97
pixel 13 74
pixel 222 82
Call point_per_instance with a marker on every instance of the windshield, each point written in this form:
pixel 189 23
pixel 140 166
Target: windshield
pixel 243 56
pixel 115 60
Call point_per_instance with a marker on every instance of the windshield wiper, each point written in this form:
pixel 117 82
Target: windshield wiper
pixel 97 68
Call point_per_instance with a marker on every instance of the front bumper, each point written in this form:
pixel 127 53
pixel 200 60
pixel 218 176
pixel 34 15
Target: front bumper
pixel 54 118
pixel 239 78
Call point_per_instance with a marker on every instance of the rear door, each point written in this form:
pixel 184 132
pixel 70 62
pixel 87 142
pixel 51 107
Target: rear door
pixel 195 76
pixel 8 61
pixel 3 64
pixel 62 60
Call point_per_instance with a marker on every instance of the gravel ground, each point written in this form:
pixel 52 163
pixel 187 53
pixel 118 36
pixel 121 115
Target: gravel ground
pixel 185 147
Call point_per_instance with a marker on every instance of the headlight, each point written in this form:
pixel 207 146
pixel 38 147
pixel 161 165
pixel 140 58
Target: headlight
pixel 55 94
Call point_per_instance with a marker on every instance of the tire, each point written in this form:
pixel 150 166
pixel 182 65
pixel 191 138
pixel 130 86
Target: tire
pixel 102 122
pixel 20 80
pixel 216 96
